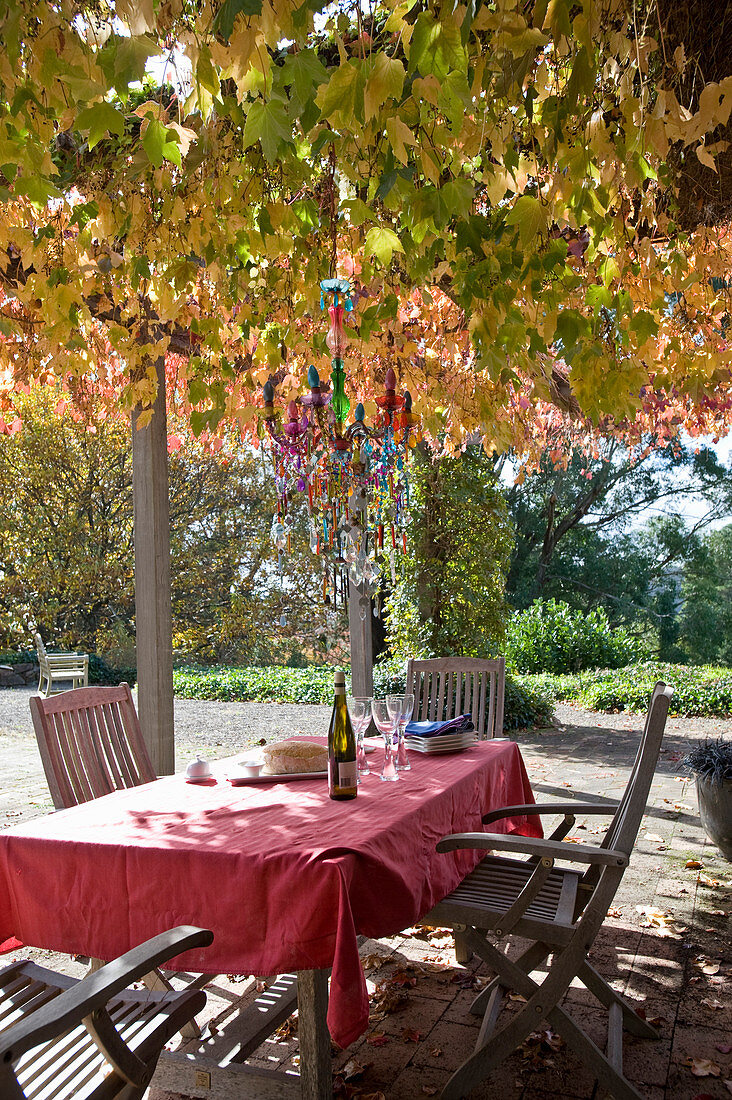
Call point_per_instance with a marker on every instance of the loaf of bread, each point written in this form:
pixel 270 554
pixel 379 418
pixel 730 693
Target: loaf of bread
pixel 291 757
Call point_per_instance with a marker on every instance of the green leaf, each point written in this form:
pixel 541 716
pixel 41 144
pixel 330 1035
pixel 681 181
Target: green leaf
pixel 342 97
pixel 267 123
pixel 124 60
pixel 100 120
pixel 382 243
pixel 644 325
pixel 436 48
pixel 227 13
pixel 305 71
pixel 530 217
pixel 159 145
pixel 386 81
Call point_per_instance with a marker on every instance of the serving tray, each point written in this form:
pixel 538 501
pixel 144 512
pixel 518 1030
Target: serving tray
pixel 280 777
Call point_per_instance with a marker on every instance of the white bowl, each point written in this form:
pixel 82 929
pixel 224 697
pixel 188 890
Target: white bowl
pixel 251 768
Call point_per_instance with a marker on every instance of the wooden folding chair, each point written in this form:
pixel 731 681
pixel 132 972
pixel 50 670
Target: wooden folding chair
pixel 92 1039
pixel 560 911
pixel 444 687
pixel 90 743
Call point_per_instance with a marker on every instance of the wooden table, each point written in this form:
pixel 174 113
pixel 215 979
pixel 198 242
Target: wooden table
pixel 286 878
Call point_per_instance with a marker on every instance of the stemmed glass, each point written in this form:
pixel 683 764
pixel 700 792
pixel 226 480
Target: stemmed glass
pixel 359 708
pixel 388 726
pixel 400 707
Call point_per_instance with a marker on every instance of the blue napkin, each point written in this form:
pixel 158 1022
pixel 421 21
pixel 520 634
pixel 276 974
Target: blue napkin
pixel 463 723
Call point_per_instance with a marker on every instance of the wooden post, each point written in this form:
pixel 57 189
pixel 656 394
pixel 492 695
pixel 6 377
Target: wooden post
pixel 153 620
pixel 362 673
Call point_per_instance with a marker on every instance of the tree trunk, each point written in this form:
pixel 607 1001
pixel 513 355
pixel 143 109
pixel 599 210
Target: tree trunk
pixel 153 616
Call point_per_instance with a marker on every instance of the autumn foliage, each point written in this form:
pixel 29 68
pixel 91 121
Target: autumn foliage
pixel 501 182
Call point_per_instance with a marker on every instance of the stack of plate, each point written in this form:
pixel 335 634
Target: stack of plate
pixel 441 742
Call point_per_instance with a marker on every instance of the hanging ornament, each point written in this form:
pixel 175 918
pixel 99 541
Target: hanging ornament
pixel 354 477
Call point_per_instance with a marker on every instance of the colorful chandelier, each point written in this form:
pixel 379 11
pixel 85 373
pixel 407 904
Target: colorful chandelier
pixel 353 477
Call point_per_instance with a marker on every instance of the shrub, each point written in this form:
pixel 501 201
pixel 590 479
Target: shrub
pixel 700 690
pixel 524 705
pixel 550 636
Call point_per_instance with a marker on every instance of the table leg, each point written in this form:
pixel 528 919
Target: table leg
pixel 316 1071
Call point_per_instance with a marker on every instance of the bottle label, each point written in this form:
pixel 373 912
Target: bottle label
pixel 348 773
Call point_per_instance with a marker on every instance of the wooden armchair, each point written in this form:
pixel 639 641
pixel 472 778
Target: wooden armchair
pixel 559 911
pixel 60 667
pixel 444 687
pixel 92 1039
pixel 90 743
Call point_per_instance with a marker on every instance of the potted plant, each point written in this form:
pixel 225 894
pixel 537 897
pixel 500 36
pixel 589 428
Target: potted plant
pixel 711 762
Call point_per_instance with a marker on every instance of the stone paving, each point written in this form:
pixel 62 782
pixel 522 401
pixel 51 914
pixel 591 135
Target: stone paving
pixel 666 942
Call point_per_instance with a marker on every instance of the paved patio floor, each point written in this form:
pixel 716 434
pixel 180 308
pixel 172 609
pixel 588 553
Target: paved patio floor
pixel 666 942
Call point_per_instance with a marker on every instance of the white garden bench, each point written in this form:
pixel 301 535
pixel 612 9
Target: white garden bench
pixel 67 668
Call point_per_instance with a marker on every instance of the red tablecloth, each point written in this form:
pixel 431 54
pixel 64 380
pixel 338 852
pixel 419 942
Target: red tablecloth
pixel 285 877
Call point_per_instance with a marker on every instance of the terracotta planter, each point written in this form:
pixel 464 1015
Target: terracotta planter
pixel 715 811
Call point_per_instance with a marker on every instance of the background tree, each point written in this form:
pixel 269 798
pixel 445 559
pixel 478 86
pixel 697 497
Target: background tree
pixel 583 534
pixel 705 634
pixel 448 598
pixel 66 546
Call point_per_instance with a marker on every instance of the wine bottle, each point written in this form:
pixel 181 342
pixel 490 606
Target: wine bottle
pixel 342 766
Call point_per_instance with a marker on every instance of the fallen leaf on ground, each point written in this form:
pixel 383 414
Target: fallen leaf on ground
pixel 693 864
pixel 704 1067
pixel 728 1086
pixel 537 1048
pixel 436 1052
pixel 614 912
pixel 429 1090
pixel 658 919
pixel 378 1039
pixel 723 1048
pixel 373 962
pixel 353 1069
pixel 286 1031
pixel 409 1035
pixel 711 1003
pixel 656 838
pixel 403 979
pixel 707 966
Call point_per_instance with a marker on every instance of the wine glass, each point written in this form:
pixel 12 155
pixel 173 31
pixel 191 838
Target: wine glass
pixel 400 708
pixel 359 708
pixel 388 726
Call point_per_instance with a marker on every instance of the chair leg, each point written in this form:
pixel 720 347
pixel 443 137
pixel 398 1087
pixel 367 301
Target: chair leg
pixel 605 993
pixel 463 954
pixel 157 982
pixel 530 959
pixel 503 1042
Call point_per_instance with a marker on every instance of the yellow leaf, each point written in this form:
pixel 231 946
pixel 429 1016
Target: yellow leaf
pixel 399 136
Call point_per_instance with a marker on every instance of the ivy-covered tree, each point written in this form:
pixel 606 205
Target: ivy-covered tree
pixel 705 635
pixel 449 595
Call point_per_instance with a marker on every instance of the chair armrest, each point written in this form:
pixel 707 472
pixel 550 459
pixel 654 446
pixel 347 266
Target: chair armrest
pixel 574 808
pixel 95 990
pixel 534 846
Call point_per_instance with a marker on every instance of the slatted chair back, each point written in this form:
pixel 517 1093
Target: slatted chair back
pixel 90 743
pixel 444 687
pixel 623 829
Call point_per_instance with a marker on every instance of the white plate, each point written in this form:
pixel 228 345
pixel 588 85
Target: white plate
pixel 443 739
pixel 439 749
pixel 282 777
